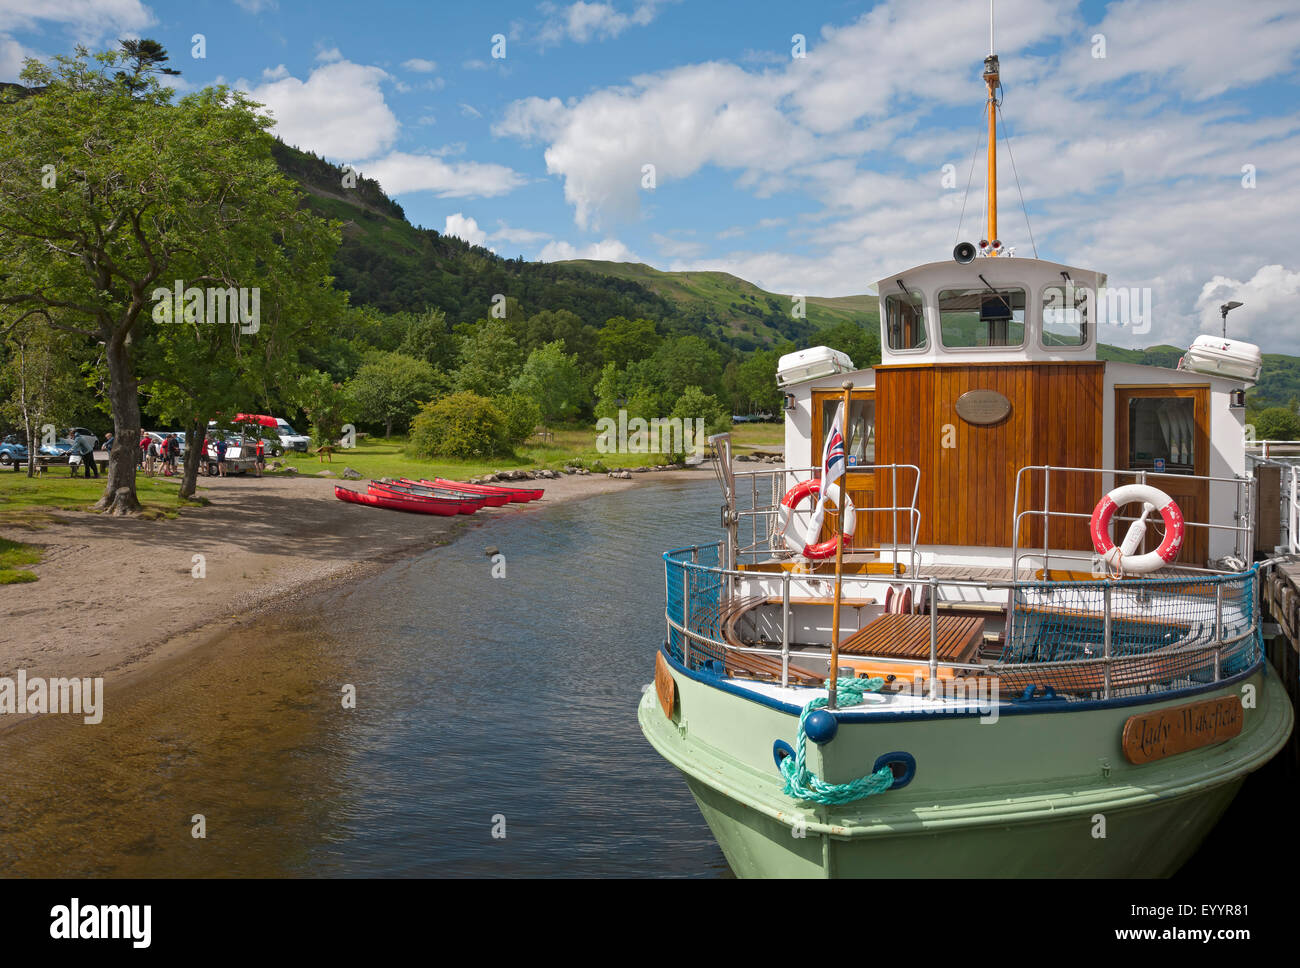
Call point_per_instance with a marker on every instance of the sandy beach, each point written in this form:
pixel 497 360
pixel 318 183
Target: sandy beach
pixel 116 596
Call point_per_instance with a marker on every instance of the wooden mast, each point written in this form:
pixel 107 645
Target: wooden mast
pixel 831 693
pixel 991 71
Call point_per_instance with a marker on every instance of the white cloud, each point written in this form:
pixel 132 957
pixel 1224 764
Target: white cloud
pixel 583 22
pixel 277 73
pixel 12 54
pixel 470 111
pixel 400 173
pixel 257 6
pixel 339 111
pixel 1269 301
pixel 465 228
pixel 330 55
pixel 1131 165
pixel 420 65
pixel 606 250
pixel 90 20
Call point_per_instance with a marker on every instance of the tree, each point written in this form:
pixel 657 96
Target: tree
pixel 391 387
pixel 109 194
pixel 463 425
pixel 686 361
pixel 490 359
pixel 521 414
pixel 146 57
pixel 1277 423
pixel 428 337
pixel 43 377
pixel 622 340
pixel 325 403
pixel 553 381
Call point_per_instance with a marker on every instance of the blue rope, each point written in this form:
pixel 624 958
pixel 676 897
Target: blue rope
pixel 804 785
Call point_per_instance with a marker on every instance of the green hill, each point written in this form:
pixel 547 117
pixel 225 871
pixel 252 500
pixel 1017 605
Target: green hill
pixel 742 306
pixel 387 263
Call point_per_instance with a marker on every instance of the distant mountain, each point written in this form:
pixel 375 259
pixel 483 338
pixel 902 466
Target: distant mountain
pixel 387 263
pixel 741 305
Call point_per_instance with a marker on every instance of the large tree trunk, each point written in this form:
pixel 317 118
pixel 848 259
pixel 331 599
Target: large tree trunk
pixel 194 433
pixel 119 489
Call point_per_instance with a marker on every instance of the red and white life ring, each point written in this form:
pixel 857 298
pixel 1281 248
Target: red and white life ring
pixel 795 529
pixel 1122 557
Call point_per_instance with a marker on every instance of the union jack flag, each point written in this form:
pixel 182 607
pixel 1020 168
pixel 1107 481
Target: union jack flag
pixel 832 463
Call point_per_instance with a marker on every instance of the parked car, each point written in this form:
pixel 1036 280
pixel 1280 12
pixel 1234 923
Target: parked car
pixel 13 452
pixel 290 439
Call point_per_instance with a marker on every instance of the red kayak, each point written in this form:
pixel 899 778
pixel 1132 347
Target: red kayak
pixel 421 487
pixel 425 506
pixel 469 503
pixel 517 494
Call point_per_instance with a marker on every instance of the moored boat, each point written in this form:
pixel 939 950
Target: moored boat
pixel 469 503
pixel 961 672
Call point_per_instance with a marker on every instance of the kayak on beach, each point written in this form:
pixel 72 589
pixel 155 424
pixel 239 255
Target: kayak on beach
pixel 425 487
pixel 440 506
pixel 517 494
pixel 469 503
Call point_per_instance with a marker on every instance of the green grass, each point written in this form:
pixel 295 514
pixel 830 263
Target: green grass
pixel 12 555
pixel 375 457
pixel 20 495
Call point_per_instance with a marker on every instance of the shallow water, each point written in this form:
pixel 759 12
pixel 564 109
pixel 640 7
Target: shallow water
pixel 476 699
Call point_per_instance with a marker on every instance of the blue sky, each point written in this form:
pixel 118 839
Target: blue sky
pixel 816 174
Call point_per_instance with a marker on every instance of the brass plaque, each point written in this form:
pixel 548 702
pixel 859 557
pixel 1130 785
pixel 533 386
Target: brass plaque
pixel 983 407
pixel 665 685
pixel 1153 736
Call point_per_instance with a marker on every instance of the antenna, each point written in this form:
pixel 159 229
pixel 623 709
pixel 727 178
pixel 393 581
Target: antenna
pixel 991 47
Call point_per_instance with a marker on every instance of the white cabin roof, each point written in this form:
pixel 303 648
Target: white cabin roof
pixel 1034 277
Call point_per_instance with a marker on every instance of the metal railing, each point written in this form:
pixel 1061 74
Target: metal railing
pixel 1284 454
pixel 752 512
pixel 1100 639
pixel 1243 530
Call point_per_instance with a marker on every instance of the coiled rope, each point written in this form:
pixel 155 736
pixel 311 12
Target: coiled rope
pixel 801 784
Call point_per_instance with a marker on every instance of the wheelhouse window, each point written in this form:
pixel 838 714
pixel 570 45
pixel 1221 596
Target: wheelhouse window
pixel 1162 434
pixel 862 430
pixel 981 317
pixel 1065 316
pixel 905 321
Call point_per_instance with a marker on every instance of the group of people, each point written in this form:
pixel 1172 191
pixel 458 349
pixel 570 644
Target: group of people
pixel 159 454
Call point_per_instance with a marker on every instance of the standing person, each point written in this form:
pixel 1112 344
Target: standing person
pixel 150 455
pixel 261 456
pixel 83 446
pixel 221 456
pixel 203 453
pixel 173 452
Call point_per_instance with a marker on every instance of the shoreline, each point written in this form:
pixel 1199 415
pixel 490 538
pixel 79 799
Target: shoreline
pixel 122 598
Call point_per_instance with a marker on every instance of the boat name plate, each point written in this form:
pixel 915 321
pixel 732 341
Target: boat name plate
pixel 983 407
pixel 1153 736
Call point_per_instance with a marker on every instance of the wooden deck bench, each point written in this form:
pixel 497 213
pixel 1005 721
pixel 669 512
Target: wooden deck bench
pixel 901 636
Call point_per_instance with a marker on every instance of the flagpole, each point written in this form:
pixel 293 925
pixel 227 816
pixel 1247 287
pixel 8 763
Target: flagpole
pixel 839 557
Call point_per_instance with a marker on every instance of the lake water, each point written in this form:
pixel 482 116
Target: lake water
pixel 477 699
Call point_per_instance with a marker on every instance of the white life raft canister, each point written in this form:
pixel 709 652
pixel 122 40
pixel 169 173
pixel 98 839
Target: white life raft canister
pixel 1122 557
pixel 795 528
